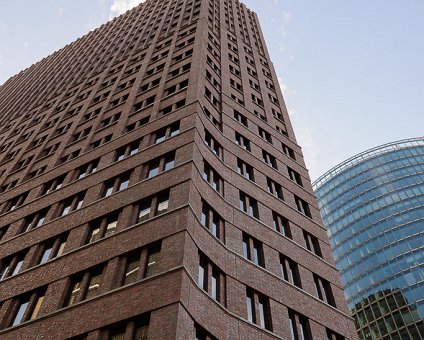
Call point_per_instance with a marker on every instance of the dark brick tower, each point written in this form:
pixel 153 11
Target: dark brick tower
pixel 152 188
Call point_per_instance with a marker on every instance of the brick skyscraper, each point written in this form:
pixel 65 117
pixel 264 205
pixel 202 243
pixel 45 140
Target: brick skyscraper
pixel 152 188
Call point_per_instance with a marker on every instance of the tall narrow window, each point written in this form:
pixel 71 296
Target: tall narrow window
pixel 332 335
pixel 212 221
pixel 281 224
pixel 212 177
pixel 299 326
pixel 103 227
pixel 50 249
pixel 324 291
pixel 290 271
pixel 27 307
pixel 275 189
pixel 215 147
pixel 295 176
pixel 252 250
pixel 71 204
pixel 243 142
pixel 302 206
pixel 153 258
pixel 258 309
pixel 312 243
pixel 84 285
pixel 269 159
pixel 249 205
pixel 211 279
pixel 245 170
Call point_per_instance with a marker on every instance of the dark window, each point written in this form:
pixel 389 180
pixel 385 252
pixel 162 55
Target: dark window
pixel 52 185
pixel 84 285
pixel 249 205
pixel 275 189
pixel 211 279
pixel 127 150
pixel 258 309
pixel 295 177
pixel 202 334
pixel 116 184
pixel 26 307
pixel 290 271
pixel 166 132
pixel 288 151
pixel 87 169
pixel 212 221
pixel 15 202
pixel 269 159
pixel 136 329
pixel 331 335
pixel 299 326
pixel 213 144
pixel 243 142
pixel 152 206
pixel 50 249
pixel 324 292
pixel 281 224
pixel 103 227
pixel 71 204
pixel 312 243
pixel 212 177
pixel 34 221
pixel 265 135
pixel 240 118
pixel 245 170
pixel 302 206
pixel 160 164
pixel 3 231
pixel 253 250
pixel 11 265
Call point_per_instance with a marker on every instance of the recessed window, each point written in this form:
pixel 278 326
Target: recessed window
pixel 211 279
pixel 212 177
pixel 245 170
pixel 281 224
pixel 243 142
pixel 71 204
pixel 324 291
pixel 258 309
pixel 249 205
pixel 253 250
pixel 312 243
pixel 275 189
pixel 51 249
pixel 302 206
pixel 116 184
pixel 26 307
pixel 299 326
pixel 84 285
pixel 212 221
pixel 290 271
pixel 103 227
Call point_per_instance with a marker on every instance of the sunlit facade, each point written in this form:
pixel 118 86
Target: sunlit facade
pixel 373 208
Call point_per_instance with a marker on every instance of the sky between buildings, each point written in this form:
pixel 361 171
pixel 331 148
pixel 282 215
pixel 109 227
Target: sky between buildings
pixel 352 72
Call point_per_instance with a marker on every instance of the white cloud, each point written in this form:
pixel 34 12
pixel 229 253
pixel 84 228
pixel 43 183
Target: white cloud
pixel 121 6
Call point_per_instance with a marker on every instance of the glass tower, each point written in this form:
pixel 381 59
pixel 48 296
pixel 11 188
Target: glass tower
pixel 373 208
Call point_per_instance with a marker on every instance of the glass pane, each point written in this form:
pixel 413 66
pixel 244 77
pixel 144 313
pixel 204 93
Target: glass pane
pixel 94 236
pixel 124 184
pixel 249 304
pixel 61 249
pixel 18 267
pixel 153 170
pixel 143 214
pixel 18 318
pixel 111 228
pixel 169 164
pixel 93 286
pixel 74 292
pixel 131 270
pixel 141 332
pixel 261 315
pixel 152 263
pixel 46 254
pixel 37 307
pixel 162 206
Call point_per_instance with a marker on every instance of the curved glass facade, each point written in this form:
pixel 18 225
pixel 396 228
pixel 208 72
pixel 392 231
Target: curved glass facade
pixel 373 208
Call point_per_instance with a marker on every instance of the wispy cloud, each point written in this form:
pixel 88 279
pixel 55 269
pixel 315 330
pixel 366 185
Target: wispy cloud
pixel 121 6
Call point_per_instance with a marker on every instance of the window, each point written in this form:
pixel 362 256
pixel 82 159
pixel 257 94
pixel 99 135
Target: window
pixel 15 202
pixel 265 135
pixel 12 265
pixel 84 285
pixel 202 334
pixel 212 221
pixel 302 206
pixel 34 221
pixel 324 292
pixel 3 231
pixel 299 326
pixel 240 118
pixel 252 250
pixel 52 185
pixel 243 142
pixel 138 123
pixel 71 204
pixel 26 307
pixel 126 151
pixel 166 132
pixel 116 184
pixel 212 177
pixel 245 170
pixel 249 205
pixel 332 335
pixel 258 309
pixel 211 279
pixel 288 151
pixel 152 206
pixel 50 249
pixel 275 189
pixel 269 159
pixel 295 177
pixel 312 243
pixel 290 271
pixel 140 263
pixel 213 145
pixel 158 165
pixel 281 224
pixel 87 169
pixel 103 227
pixel 137 329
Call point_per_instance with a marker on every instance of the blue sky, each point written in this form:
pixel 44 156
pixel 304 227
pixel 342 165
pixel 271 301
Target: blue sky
pixel 352 72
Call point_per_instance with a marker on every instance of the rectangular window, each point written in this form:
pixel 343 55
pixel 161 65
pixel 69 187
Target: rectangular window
pixel 71 204
pixel 302 206
pixel 34 221
pixel 323 289
pixel 127 150
pixel 295 177
pixel 153 261
pixel 290 271
pixel 253 250
pixel 312 243
pixel 3 231
pixel 265 135
pixel 116 184
pixel 152 206
pixel 160 164
pixel 212 177
pixel 15 202
pixel 249 205
pixel 288 151
pixel 245 170
pixel 275 189
pixel 26 307
pixel 103 227
pixel 136 329
pixel 299 326
pixel 240 118
pixel 281 224
pixel 213 145
pixel 269 159
pixel 166 132
pixel 243 142
pixel 87 169
pixel 332 335
pixel 212 221
pixel 52 185
pixel 50 249
pixel 202 334
pixel 209 272
pixel 11 265
pixel 84 285
pixel 258 309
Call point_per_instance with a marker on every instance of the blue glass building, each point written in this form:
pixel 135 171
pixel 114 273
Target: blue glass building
pixel 373 208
